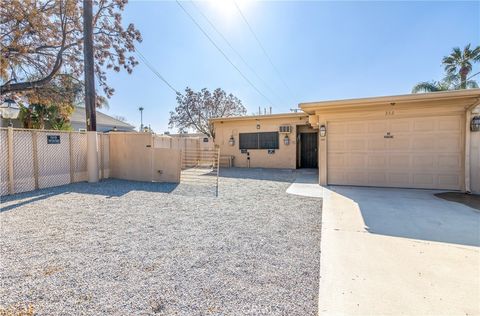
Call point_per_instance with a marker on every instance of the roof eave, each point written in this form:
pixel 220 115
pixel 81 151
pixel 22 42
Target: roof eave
pixel 310 107
pixel 258 117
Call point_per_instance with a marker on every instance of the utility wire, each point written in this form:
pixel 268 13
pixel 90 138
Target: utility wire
pixel 261 46
pixel 234 50
pixel 148 64
pixel 222 52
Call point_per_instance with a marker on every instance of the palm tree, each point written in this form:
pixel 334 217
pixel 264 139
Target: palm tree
pixel 450 82
pixel 460 63
pixel 430 86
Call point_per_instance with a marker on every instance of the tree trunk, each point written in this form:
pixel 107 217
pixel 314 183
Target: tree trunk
pixel 91 117
pixel 463 78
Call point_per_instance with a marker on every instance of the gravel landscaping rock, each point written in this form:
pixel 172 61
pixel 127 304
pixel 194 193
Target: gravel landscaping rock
pixel 130 248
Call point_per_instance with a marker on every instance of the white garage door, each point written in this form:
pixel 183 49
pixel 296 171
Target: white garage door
pixel 422 152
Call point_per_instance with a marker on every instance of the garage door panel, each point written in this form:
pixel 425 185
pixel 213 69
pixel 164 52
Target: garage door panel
pixel 450 162
pixel 449 123
pixel 377 144
pixel 449 143
pixel 399 179
pixel 423 180
pixel 377 160
pixel 400 143
pixel 336 128
pixel 424 124
pixel 378 126
pixel 377 178
pixel 400 126
pixel 356 177
pixel 356 128
pixel 424 152
pixel 356 161
pixel 337 176
pixel 336 145
pixel 336 161
pixel 356 144
pixel 422 161
pixel 449 181
pixel 423 143
pixel 399 161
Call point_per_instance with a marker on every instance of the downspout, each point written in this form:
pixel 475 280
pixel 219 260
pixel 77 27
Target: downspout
pixel 468 118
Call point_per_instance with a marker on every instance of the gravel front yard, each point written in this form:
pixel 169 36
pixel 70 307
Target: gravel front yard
pixel 121 247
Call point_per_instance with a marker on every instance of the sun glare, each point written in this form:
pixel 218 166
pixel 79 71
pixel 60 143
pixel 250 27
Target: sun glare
pixel 227 8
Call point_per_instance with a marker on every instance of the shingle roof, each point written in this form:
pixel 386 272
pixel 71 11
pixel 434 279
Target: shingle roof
pixel 78 116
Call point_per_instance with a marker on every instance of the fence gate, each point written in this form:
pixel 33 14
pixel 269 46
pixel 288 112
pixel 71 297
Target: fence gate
pixel 200 167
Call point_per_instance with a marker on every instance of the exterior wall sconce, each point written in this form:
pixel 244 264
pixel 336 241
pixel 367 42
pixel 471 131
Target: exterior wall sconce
pixel 258 125
pixel 323 130
pixel 286 140
pixel 9 110
pixel 231 141
pixel 475 124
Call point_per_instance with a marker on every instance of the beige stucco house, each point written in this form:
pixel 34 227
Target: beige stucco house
pixel 406 141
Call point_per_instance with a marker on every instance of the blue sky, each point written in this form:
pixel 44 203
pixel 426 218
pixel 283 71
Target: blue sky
pixel 322 50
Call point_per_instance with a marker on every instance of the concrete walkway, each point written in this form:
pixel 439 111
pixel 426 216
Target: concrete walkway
pixel 398 252
pixel 306 184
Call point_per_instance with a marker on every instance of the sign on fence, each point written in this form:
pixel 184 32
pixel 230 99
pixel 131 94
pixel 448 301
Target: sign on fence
pixel 53 139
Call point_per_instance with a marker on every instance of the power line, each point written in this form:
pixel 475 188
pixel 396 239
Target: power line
pixel 261 46
pixel 223 53
pixel 233 49
pixel 148 64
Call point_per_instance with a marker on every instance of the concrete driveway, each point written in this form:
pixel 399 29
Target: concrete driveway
pixel 398 252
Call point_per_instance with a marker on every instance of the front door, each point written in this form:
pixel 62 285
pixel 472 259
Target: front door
pixel 308 150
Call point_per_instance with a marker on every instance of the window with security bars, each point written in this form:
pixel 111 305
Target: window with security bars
pixel 266 140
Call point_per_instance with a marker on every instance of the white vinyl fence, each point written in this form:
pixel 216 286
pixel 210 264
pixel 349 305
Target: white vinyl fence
pixel 36 159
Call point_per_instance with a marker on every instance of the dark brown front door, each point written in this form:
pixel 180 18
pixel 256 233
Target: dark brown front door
pixel 308 150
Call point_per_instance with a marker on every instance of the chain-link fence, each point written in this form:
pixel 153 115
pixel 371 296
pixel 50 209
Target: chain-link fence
pixel 4 161
pixel 36 159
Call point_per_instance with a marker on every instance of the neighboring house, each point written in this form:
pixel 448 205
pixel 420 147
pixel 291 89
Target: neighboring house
pixel 105 123
pixel 409 141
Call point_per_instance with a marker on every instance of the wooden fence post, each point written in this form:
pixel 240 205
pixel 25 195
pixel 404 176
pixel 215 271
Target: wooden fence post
pixel 11 188
pixel 70 154
pixel 35 158
pixel 102 162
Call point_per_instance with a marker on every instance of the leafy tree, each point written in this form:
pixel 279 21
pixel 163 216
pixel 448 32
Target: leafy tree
pixel 41 116
pixel 53 103
pixel 39 39
pixel 459 63
pixel 194 109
